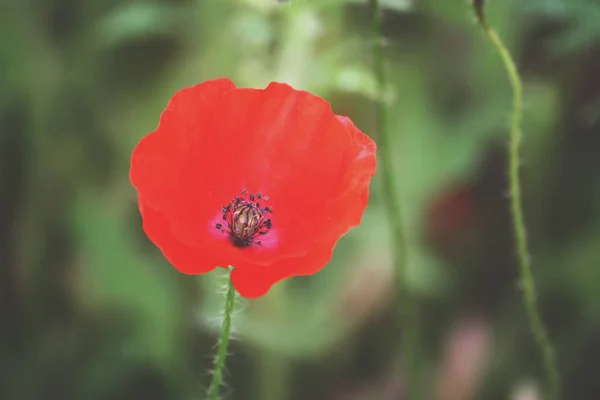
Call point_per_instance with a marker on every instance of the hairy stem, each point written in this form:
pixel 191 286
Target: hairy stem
pixel 528 285
pixel 408 323
pixel 215 385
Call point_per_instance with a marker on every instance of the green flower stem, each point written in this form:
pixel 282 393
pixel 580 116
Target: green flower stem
pixel 408 322
pixel 520 235
pixel 215 385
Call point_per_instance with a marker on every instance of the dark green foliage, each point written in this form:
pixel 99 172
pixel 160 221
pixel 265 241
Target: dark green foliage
pixel 89 309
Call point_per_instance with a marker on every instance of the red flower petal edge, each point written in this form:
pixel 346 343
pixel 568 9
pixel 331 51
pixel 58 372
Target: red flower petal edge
pixel 266 180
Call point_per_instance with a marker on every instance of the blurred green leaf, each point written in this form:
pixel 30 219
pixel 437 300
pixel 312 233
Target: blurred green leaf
pixel 117 276
pixel 357 80
pixel 396 5
pixel 576 268
pixel 299 332
pixel 137 20
pixel 583 30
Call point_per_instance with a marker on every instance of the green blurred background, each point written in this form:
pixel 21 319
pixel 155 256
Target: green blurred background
pixel 90 310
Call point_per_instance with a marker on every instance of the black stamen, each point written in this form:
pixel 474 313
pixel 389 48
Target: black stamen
pixel 245 219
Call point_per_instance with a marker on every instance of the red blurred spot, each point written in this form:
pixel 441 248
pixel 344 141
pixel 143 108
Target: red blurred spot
pixel 451 216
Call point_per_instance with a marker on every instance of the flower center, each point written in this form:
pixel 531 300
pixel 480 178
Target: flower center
pixel 245 219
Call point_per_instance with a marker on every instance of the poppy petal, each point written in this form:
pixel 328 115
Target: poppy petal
pixel 164 162
pixel 215 140
pixel 284 143
pixel 256 282
pixel 186 259
pixel 338 216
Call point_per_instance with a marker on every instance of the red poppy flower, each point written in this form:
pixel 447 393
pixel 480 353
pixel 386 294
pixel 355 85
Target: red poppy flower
pixel 263 180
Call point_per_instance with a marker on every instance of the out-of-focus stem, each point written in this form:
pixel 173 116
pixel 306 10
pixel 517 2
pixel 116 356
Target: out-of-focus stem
pixel 408 322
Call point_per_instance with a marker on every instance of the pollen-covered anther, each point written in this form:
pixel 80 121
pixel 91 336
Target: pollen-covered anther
pixel 245 219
